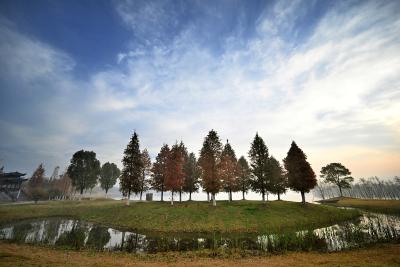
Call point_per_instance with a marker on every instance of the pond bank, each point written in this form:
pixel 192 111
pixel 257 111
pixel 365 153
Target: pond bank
pixel 77 234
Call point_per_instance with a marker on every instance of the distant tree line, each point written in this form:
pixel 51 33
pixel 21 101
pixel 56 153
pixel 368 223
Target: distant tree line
pixel 367 188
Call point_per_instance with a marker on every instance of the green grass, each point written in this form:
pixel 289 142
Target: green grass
pixel 237 216
pixel 375 205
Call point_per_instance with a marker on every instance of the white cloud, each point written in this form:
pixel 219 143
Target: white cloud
pixel 336 91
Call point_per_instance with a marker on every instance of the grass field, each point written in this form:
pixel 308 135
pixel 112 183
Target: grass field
pixel 25 255
pixel 375 205
pixel 238 216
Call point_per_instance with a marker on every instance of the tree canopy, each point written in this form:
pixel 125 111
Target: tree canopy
pixel 210 156
pixel 227 169
pixel 159 170
pixel 146 172
pixel 192 178
pixel 259 165
pixel 175 171
pixel 108 175
pixel 243 176
pixel 130 181
pixel 278 177
pixel 337 174
pixel 301 177
pixel 36 185
pixel 84 170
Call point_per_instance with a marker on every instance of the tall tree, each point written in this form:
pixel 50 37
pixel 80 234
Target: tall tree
pixel 337 174
pixel 130 180
pixel 185 155
pixel 175 173
pixel 84 170
pixel 244 176
pixel 159 170
pixel 192 172
pixel 36 190
pixel 108 176
pixel 210 156
pixel 258 155
pixel 146 172
pixel 278 177
pixel 228 170
pixel 301 177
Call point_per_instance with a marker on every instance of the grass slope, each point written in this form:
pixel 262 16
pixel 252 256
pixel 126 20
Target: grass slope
pixel 24 255
pixel 238 216
pixel 376 205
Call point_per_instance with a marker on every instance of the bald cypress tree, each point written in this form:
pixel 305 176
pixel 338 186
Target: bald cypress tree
pixel 146 172
pixel 175 172
pixel 244 176
pixel 192 178
pixel 278 177
pixel 259 166
pixel 130 181
pixel 210 156
pixel 159 170
pixel 301 177
pixel 228 170
pixel 185 156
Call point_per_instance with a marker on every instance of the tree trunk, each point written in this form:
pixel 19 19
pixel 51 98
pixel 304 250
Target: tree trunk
pixel 128 198
pixel 340 190
pixel 267 196
pixel 214 201
pixel 141 193
pixel 180 196
pixel 172 197
pixel 190 196
pixel 208 197
pixel 106 193
pixel 243 195
pixel 279 196
pixel 263 196
pixel 303 197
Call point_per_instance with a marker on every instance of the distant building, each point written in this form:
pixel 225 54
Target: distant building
pixel 10 185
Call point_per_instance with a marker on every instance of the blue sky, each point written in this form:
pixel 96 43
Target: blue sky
pixel 86 74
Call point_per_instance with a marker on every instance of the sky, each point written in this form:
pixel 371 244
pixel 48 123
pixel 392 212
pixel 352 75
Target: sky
pixel 87 74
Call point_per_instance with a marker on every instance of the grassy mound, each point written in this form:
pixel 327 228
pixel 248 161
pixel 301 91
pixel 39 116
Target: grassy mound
pixel 237 216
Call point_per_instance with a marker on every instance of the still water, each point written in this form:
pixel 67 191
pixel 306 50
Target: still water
pixel 78 234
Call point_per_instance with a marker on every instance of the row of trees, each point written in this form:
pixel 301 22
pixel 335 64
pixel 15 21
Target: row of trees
pixel 86 172
pixel 56 187
pixel 216 170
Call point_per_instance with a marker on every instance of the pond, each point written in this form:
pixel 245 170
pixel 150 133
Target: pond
pixel 78 234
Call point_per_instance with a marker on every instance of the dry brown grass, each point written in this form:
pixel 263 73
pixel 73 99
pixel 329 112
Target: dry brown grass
pixel 376 205
pixel 24 255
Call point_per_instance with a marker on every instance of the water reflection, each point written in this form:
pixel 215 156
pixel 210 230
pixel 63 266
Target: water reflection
pixel 75 234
